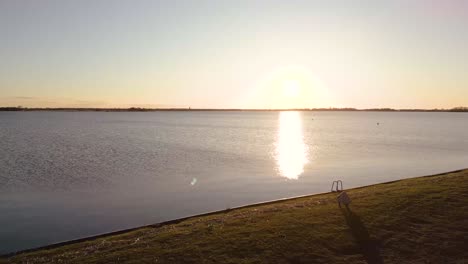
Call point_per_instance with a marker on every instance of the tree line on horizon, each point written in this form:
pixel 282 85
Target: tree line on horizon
pixel 139 109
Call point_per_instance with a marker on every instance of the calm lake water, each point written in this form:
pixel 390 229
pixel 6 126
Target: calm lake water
pixel 66 175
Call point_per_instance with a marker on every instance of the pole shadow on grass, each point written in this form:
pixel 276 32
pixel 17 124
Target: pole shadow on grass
pixel 369 248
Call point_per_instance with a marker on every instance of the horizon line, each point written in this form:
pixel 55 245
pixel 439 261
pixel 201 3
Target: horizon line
pixel 143 109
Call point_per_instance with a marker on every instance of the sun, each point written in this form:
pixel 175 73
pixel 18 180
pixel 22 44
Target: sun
pixel 291 88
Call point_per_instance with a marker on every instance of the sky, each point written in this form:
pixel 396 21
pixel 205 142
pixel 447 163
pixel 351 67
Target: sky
pixel 234 53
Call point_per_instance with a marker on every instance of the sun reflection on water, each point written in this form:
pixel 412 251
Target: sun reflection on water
pixel 291 151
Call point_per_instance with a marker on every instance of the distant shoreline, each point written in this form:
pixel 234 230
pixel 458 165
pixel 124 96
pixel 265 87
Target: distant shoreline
pixel 137 109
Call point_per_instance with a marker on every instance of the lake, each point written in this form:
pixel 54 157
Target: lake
pixel 67 175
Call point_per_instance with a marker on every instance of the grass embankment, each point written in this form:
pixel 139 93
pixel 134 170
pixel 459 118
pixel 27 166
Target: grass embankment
pixel 420 220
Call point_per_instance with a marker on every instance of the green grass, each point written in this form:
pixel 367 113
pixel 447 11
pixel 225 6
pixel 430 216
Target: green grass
pixel 419 220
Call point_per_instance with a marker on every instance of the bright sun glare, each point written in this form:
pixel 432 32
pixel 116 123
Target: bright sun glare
pixel 291 151
pixel 291 88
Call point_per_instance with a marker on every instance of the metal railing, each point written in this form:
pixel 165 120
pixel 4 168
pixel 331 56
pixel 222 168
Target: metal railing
pixel 337 184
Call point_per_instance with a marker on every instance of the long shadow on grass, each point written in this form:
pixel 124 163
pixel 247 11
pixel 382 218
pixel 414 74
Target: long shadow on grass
pixel 369 247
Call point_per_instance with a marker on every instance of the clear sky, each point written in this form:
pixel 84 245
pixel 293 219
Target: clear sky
pixel 234 54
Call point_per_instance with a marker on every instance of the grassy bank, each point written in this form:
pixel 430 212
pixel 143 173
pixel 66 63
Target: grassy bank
pixel 420 220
